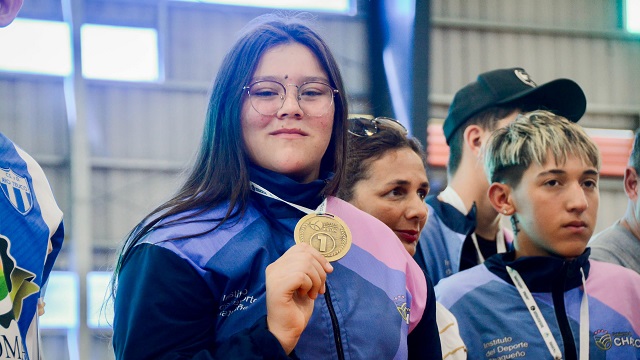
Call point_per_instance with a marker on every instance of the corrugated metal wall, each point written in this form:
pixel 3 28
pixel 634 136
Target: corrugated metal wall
pixel 577 39
pixel 142 135
pixel 581 40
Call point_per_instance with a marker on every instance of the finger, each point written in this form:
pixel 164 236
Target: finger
pixel 313 275
pixel 41 305
pixel 318 277
pixel 326 265
pixel 296 272
pixel 306 286
pixel 307 260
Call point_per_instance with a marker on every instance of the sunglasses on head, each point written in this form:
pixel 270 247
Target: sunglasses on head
pixel 361 126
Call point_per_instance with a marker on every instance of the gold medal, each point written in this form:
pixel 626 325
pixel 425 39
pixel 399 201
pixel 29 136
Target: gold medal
pixel 326 233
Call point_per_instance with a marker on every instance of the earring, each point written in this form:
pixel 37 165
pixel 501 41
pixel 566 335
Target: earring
pixel 504 211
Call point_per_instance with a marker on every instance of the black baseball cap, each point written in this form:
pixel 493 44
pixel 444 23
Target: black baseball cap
pixel 503 86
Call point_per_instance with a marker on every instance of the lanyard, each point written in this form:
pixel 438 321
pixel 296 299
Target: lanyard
pixel 452 198
pixel 541 323
pixel 500 244
pixel 264 192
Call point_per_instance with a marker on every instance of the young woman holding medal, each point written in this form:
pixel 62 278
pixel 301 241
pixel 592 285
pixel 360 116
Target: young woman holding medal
pixel 546 299
pixel 254 258
pixel 386 177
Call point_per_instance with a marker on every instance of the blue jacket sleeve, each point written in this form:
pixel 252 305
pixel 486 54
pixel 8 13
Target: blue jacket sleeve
pixel 56 243
pixel 424 340
pixel 165 310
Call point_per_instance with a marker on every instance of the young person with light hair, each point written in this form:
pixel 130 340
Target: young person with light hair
pixel 546 296
pixel 463 228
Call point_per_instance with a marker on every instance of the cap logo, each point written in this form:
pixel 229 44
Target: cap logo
pixel 524 77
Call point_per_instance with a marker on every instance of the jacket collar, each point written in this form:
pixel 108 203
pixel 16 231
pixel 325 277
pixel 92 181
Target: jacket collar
pixel 452 218
pixel 541 273
pixel 308 195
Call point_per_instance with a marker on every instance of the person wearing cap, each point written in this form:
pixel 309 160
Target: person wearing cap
pixel 463 229
pixel 620 243
pixel 31 235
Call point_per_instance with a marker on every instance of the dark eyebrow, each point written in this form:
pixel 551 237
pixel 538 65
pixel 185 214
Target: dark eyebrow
pixel 398 182
pixel 315 79
pixel 552 172
pixel 405 182
pixel 304 79
pixel 264 78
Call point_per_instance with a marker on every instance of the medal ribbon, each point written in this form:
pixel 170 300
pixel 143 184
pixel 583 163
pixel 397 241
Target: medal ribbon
pixel 339 247
pixel 541 323
pixel 264 192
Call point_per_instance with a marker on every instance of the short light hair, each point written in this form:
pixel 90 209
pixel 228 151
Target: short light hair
pixel 531 138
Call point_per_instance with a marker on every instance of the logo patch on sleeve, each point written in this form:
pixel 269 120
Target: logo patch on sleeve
pixel 17 190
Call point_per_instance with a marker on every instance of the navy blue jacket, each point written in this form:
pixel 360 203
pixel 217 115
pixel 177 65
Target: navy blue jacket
pixel 203 297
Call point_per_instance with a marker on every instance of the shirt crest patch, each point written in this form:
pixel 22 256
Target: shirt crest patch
pixel 17 190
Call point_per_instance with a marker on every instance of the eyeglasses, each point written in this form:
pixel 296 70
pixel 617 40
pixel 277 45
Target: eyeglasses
pixel 360 126
pixel 267 97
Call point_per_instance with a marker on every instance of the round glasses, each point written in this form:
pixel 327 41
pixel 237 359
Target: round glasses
pixel 360 126
pixel 267 97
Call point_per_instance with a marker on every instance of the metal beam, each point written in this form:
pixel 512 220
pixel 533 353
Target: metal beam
pixel 80 239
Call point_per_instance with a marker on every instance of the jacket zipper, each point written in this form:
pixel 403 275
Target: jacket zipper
pixel 334 323
pixel 557 294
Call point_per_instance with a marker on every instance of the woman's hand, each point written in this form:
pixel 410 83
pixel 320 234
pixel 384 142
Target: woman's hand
pixel 293 283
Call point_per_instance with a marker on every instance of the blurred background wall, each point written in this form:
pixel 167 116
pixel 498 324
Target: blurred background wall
pixel 113 150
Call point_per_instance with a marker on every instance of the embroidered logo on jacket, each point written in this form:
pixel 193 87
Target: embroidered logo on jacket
pixel 237 300
pixel 606 340
pixel 603 339
pixel 403 309
pixel 17 190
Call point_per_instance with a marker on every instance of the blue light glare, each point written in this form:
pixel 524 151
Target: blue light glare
pixel 333 6
pixel 35 46
pixel 62 301
pixel 99 310
pixel 119 53
pixel 632 16
pixel 61 298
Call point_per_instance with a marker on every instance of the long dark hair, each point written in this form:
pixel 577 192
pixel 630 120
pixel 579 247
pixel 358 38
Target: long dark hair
pixel 220 173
